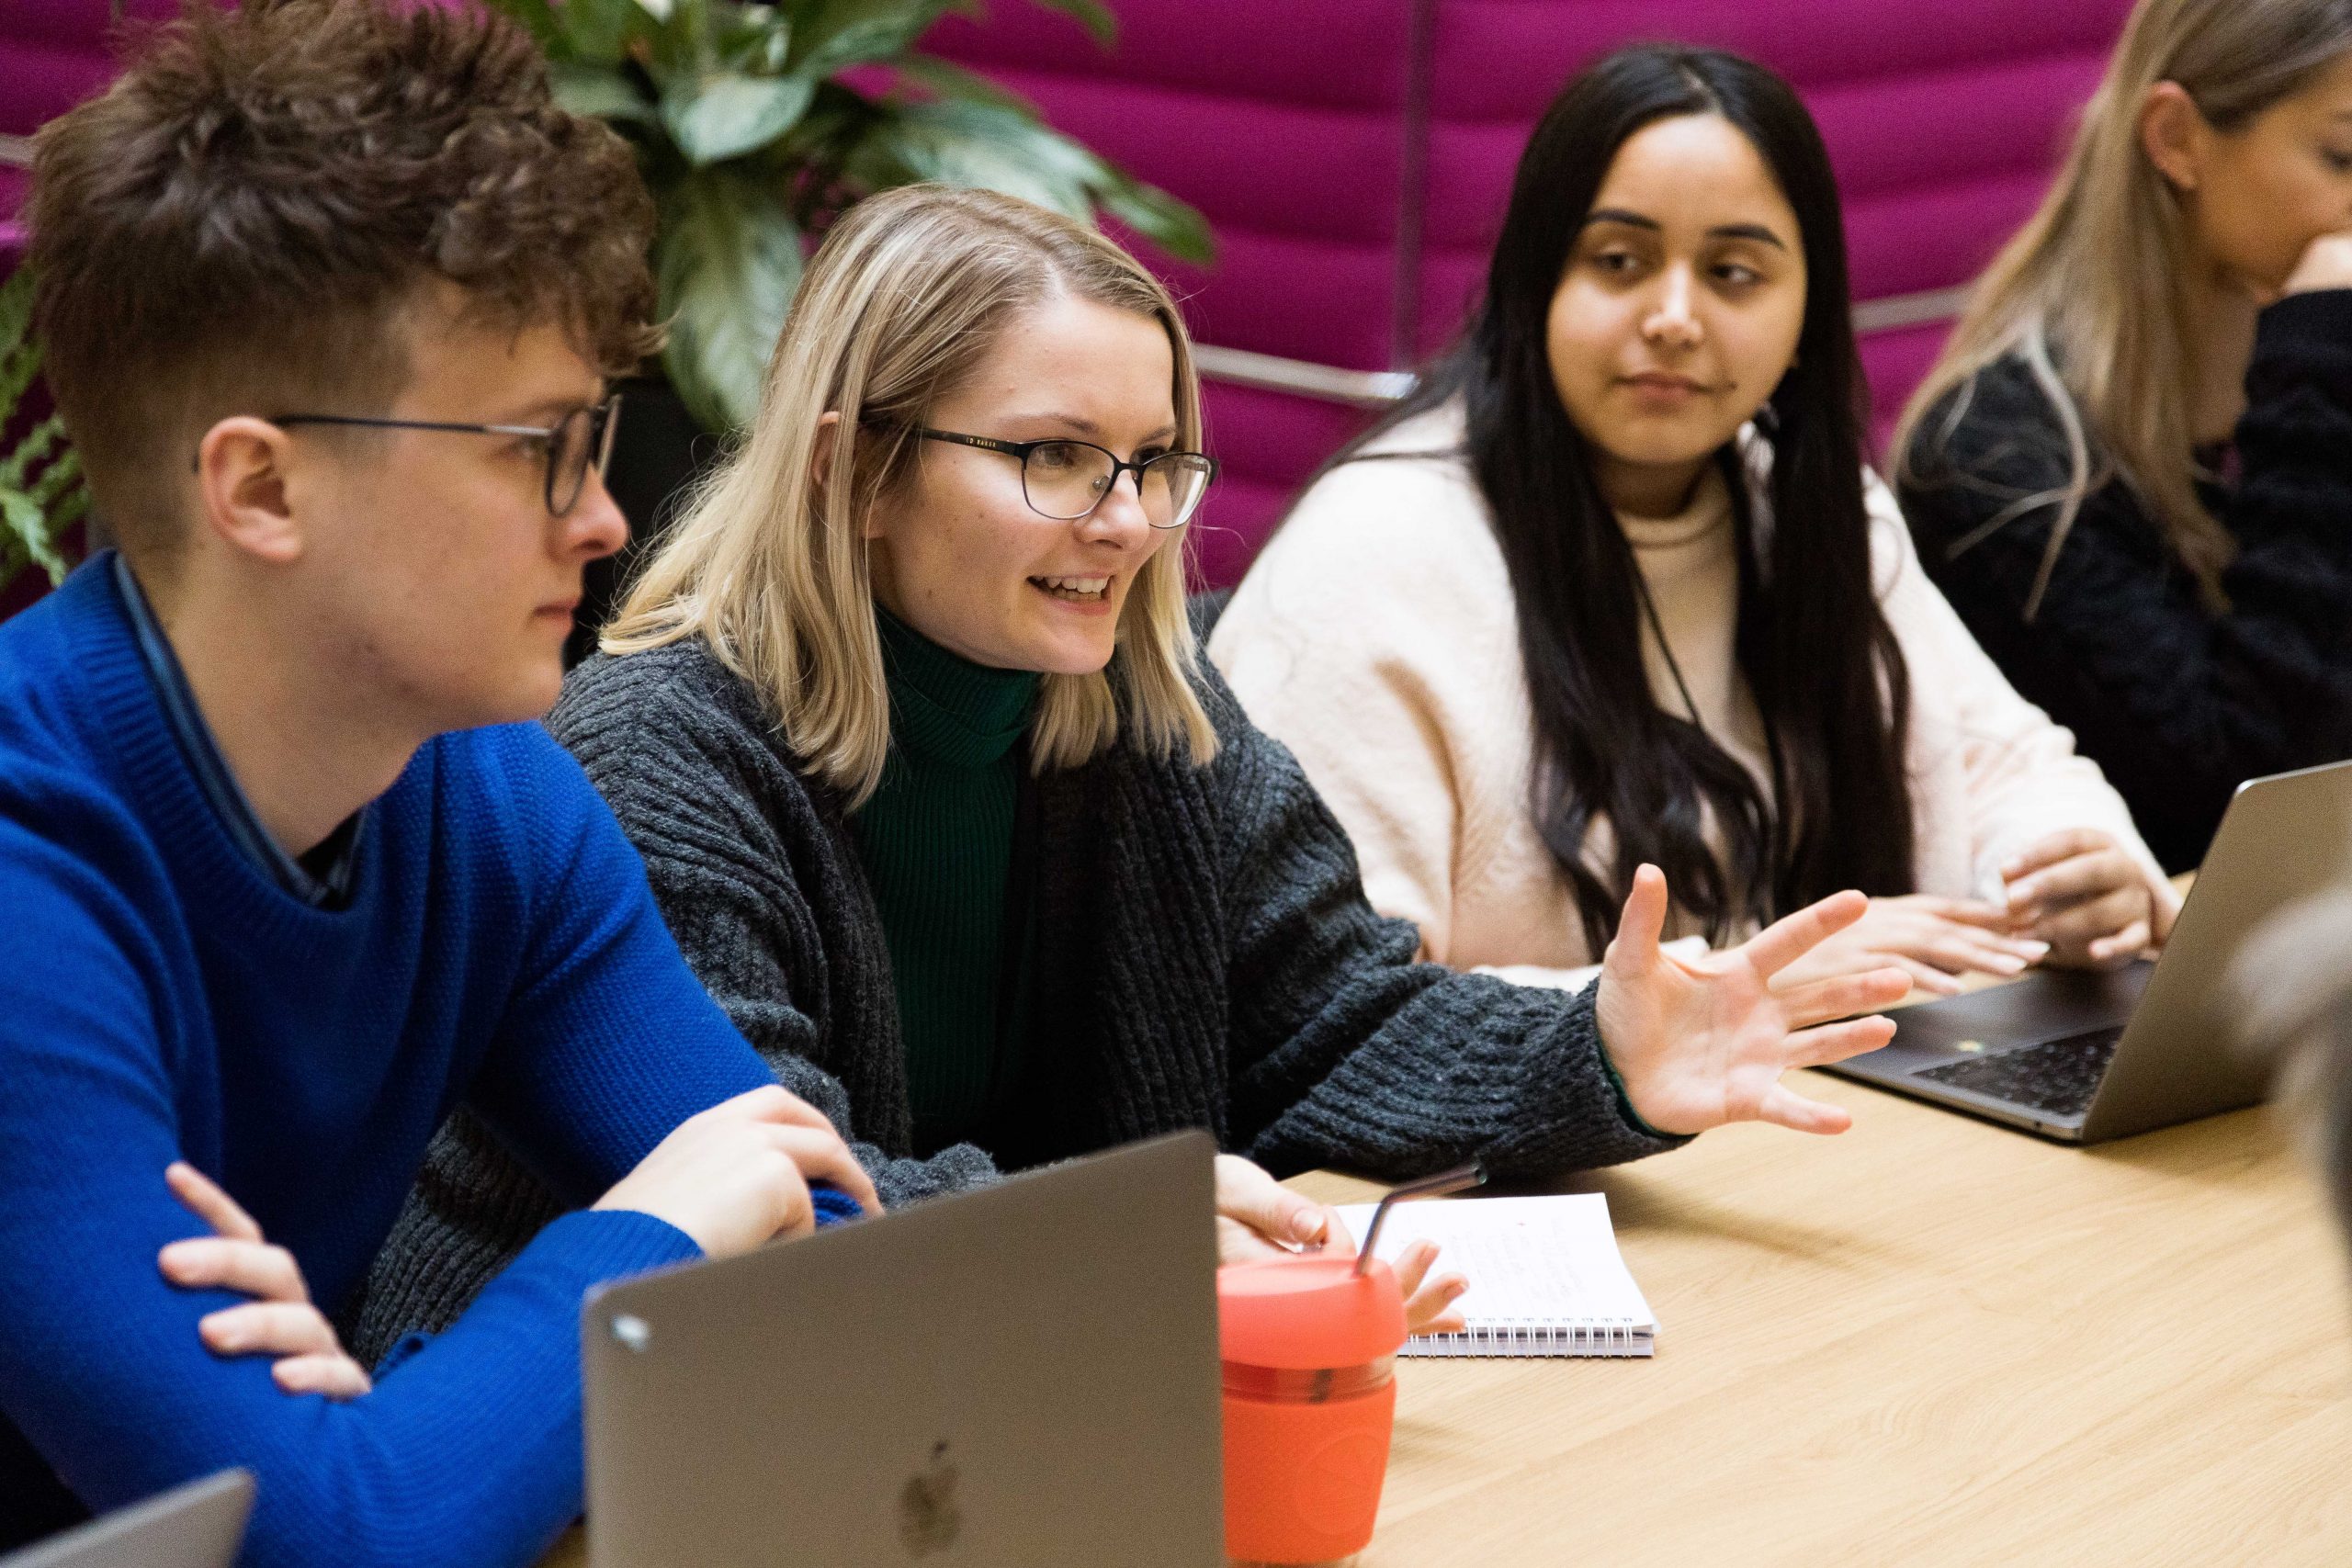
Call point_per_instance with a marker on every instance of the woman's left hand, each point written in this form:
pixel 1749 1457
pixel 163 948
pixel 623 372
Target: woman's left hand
pixel 2081 893
pixel 1258 1217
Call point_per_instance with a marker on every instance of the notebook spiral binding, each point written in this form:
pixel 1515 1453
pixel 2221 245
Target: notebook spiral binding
pixel 1534 1337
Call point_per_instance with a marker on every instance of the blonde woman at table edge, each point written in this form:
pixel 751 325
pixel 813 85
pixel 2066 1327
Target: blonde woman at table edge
pixel 906 720
pixel 2130 468
pixel 1614 588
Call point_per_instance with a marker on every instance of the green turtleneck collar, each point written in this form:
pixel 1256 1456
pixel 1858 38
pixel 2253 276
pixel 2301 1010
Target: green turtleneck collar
pixel 943 707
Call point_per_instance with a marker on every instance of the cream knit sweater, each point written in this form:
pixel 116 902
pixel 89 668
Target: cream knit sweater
pixel 1376 636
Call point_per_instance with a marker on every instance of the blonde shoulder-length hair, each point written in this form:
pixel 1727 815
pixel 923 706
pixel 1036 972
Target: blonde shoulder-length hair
pixel 2093 295
pixel 907 294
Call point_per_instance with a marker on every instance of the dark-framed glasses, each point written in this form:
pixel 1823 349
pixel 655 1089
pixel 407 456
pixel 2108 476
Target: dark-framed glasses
pixel 573 444
pixel 1068 479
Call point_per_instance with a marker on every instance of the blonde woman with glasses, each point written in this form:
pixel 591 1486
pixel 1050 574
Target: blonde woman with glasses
pixel 908 722
pixel 2131 472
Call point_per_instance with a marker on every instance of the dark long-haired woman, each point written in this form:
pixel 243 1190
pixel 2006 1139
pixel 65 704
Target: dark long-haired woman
pixel 1614 587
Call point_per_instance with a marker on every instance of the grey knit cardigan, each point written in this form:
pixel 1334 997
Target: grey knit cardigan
pixel 1203 958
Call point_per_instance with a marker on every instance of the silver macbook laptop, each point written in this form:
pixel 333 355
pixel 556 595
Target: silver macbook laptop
pixel 2085 1057
pixel 200 1525
pixel 1022 1377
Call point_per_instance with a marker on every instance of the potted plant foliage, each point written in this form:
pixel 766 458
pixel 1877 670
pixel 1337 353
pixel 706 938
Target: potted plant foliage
pixel 41 491
pixel 756 124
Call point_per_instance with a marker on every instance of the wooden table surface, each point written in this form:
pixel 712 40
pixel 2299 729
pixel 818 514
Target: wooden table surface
pixel 1928 1341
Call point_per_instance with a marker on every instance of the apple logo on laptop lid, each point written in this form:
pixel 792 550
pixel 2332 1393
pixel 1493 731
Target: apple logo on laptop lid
pixel 929 1519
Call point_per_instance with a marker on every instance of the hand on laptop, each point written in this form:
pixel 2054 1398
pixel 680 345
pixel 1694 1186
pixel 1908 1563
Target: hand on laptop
pixel 1258 1217
pixel 737 1175
pixel 1701 1041
pixel 279 1322
pixel 2078 891
pixel 1935 940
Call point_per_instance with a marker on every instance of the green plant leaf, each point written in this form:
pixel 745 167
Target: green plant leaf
pixel 58 479
pixel 997 146
pixel 730 115
pixel 33 449
pixel 754 39
pixel 984 146
pixel 837 34
pixel 70 509
pixel 23 517
pixel 1172 225
pixel 729 260
pixel 949 80
pixel 683 36
pixel 596 31
pixel 600 92
pixel 539 20
pixel 15 308
pixel 1091 15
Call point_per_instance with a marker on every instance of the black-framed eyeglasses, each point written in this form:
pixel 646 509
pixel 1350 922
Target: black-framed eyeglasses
pixel 1066 479
pixel 581 440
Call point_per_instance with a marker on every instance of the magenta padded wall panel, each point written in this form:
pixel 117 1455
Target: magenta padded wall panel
pixel 54 53
pixel 1289 124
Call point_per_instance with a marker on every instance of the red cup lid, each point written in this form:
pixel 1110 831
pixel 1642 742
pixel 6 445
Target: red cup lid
pixel 1310 1310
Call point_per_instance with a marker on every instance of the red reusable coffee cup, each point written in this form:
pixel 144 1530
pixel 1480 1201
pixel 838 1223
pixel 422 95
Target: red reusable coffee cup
pixel 1310 1348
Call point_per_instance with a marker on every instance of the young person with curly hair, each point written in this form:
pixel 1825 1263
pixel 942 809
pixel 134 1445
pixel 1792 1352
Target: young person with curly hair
pixel 329 292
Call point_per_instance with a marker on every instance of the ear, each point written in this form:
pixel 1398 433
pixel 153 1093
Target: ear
pixel 820 459
pixel 2175 135
pixel 241 474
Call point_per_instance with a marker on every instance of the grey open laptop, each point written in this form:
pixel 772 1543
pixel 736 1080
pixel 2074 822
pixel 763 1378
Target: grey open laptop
pixel 200 1525
pixel 2085 1057
pixel 1022 1377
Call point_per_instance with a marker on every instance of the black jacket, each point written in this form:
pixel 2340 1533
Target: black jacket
pixel 2177 705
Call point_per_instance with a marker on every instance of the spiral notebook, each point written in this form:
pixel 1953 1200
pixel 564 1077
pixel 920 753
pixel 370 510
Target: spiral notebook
pixel 1545 1276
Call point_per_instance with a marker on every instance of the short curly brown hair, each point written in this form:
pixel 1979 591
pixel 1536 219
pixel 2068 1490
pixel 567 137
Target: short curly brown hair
pixel 236 226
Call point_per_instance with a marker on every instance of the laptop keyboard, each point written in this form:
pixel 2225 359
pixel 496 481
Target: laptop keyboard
pixel 2057 1075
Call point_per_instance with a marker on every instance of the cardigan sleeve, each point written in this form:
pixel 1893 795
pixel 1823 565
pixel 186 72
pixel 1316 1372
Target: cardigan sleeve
pixel 2178 703
pixel 1344 1050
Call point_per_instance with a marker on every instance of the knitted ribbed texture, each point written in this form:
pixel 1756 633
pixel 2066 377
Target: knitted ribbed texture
pixel 165 999
pixel 2177 705
pixel 1204 959
pixel 936 841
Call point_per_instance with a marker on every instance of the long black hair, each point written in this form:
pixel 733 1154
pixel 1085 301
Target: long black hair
pixel 1818 655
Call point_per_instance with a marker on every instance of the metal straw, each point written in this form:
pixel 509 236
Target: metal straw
pixel 1455 1181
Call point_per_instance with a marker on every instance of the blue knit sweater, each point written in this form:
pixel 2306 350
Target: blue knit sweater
pixel 161 998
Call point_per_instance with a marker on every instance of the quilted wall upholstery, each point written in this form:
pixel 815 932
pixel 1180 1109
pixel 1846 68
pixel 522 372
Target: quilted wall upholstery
pixel 1353 156
pixel 1943 120
pixel 53 54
